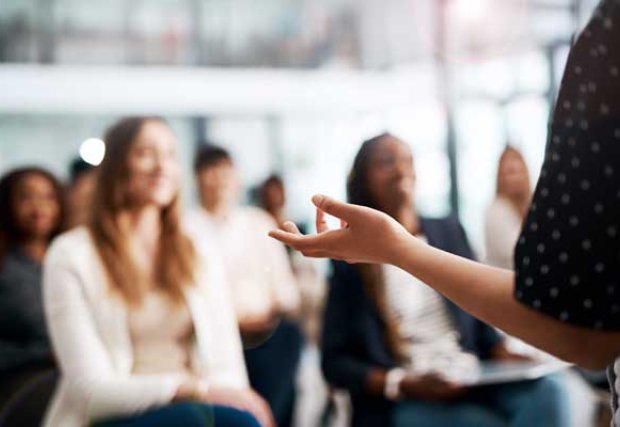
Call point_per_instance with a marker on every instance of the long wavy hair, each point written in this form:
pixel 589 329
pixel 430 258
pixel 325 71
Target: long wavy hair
pixel 175 266
pixel 358 192
pixel 10 234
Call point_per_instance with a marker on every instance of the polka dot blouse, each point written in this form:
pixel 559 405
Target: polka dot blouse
pixel 567 258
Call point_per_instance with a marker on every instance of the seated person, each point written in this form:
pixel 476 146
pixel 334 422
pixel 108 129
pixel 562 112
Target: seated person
pixel 31 214
pixel 262 285
pixel 141 322
pixel 395 343
pixel 82 180
pixel 272 198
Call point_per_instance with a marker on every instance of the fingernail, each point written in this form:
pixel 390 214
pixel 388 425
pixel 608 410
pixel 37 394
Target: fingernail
pixel 317 199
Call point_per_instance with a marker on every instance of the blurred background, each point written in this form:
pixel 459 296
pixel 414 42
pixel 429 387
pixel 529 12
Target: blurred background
pixel 292 86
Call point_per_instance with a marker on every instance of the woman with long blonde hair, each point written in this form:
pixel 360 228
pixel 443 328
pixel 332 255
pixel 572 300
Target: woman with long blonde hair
pixel 140 322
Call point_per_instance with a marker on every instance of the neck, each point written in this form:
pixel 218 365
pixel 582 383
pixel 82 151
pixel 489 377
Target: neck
pixel 143 228
pixel 220 210
pixel 34 247
pixel 145 225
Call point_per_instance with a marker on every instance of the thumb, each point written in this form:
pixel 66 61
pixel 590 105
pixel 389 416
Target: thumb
pixel 333 207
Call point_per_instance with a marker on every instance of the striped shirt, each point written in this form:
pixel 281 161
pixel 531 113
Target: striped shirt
pixel 425 330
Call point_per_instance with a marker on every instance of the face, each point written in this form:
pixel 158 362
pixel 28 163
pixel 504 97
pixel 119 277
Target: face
pixel 273 196
pixel 153 168
pixel 391 177
pixel 36 207
pixel 513 175
pixel 219 184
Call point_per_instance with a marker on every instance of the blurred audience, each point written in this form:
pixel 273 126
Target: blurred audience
pixel 312 286
pixel 31 214
pixel 82 180
pixel 140 321
pixel 398 346
pixel 264 289
pixel 312 391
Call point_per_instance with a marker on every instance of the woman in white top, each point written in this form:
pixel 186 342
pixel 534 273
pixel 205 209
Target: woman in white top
pixel 140 322
pixel 508 210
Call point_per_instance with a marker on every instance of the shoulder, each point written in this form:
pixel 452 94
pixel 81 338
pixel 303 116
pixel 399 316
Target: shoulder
pixel 209 266
pixel 256 217
pixel 447 234
pixel 443 225
pixel 72 258
pixel 344 277
pixel 499 208
pixel 194 219
pixel 71 245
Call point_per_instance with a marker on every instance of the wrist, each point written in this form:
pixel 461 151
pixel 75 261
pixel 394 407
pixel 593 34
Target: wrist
pixel 201 390
pixel 192 390
pixel 393 380
pixel 404 247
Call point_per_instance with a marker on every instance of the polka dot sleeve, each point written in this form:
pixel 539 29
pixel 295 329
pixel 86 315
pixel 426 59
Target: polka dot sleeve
pixel 567 259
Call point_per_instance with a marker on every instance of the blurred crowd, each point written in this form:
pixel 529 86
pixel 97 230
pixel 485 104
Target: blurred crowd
pixel 119 309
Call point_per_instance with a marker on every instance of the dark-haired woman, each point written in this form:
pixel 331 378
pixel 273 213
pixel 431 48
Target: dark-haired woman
pixel 31 214
pixel 140 321
pixel 397 345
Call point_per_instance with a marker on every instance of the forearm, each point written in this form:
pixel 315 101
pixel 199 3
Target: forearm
pixel 487 293
pixel 131 395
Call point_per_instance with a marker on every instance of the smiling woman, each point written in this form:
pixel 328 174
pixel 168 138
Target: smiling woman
pixel 132 306
pixel 31 214
pixel 140 170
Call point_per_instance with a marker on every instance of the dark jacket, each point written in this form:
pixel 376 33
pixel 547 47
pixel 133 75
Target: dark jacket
pixel 23 332
pixel 354 341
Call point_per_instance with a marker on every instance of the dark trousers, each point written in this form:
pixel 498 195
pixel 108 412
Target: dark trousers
pixel 272 368
pixel 187 414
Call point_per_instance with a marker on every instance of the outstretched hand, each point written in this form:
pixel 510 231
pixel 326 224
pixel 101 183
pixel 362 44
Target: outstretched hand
pixel 365 235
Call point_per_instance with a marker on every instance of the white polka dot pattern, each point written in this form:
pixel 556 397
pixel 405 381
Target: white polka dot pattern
pixel 568 256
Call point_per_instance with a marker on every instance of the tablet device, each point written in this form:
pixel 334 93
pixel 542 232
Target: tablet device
pixel 491 372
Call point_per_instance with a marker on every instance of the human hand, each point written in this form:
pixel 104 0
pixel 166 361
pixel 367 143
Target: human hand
pixel 501 353
pixel 366 235
pixel 258 324
pixel 430 387
pixel 256 330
